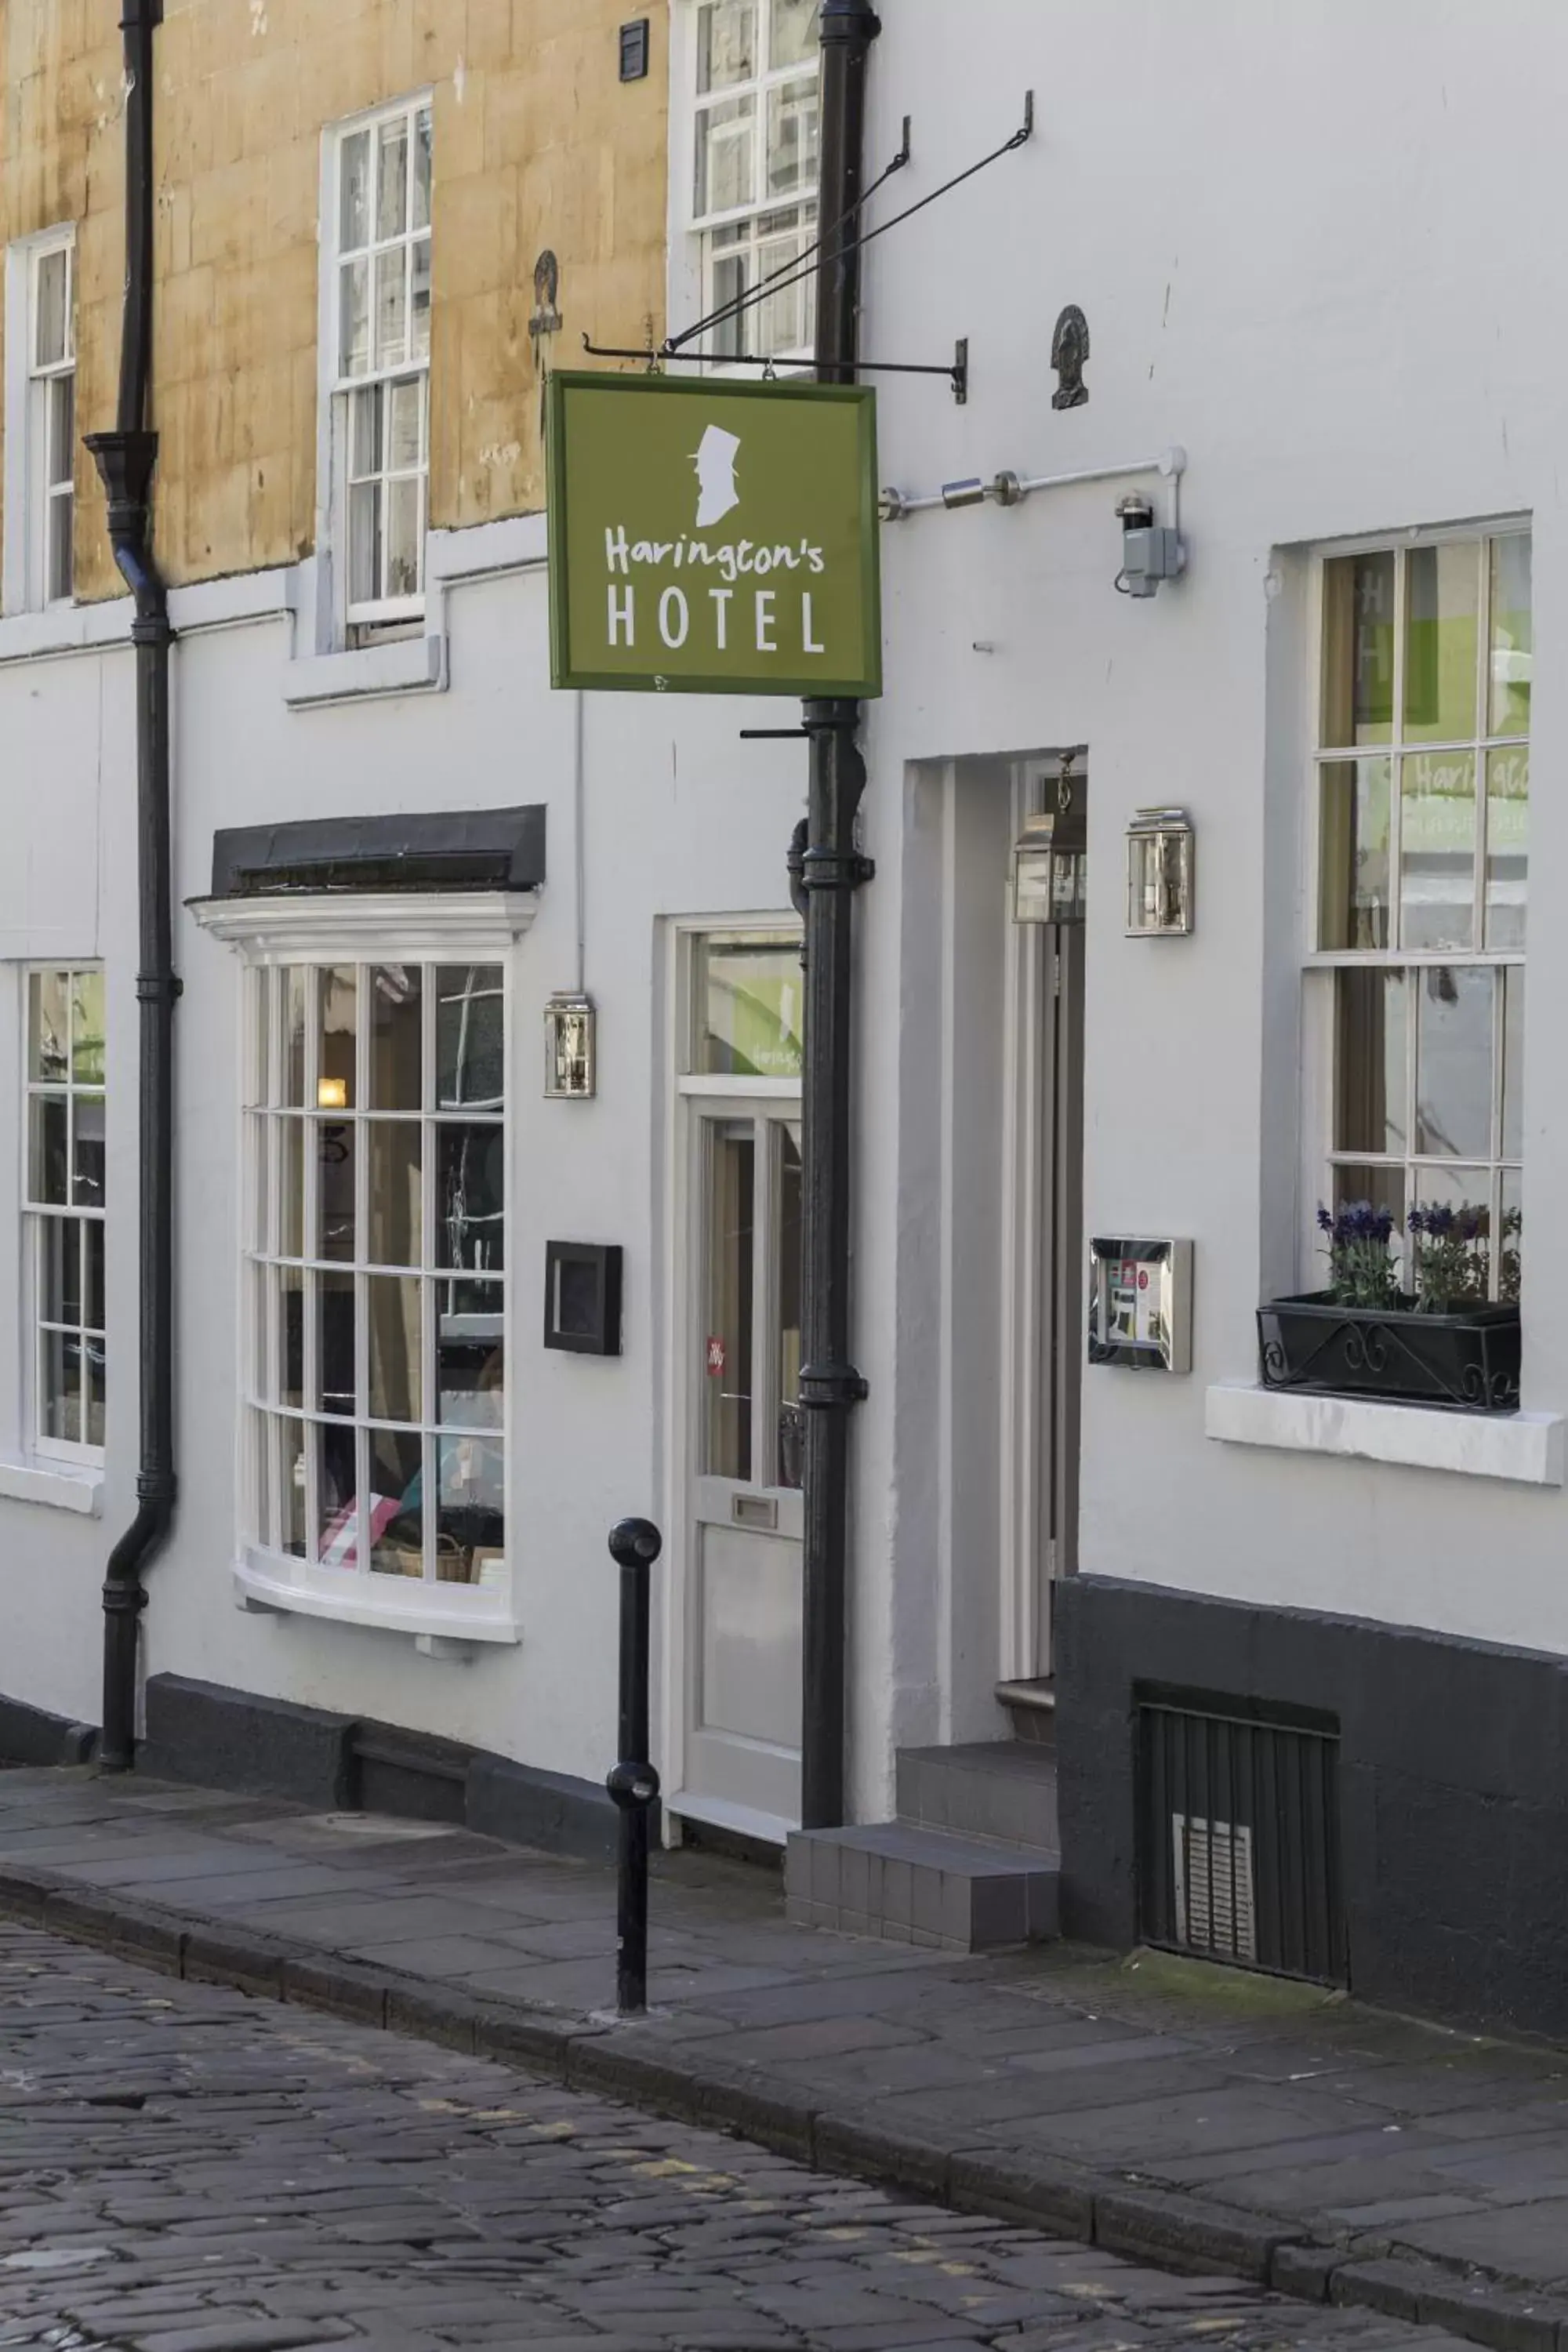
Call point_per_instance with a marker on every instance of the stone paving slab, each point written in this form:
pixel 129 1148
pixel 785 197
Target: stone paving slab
pixel 1187 2114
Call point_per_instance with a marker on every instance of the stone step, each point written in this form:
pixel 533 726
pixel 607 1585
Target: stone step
pixel 921 1886
pixel 1003 1790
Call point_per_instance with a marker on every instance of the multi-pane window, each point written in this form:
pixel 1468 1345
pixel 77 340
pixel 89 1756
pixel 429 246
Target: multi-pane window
pixel 754 202
pixel 64 1209
pixel 377 1226
pixel 381 260
pixel 51 420
pixel 1423 801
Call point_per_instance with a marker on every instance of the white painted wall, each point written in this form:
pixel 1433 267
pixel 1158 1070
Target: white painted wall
pixel 1308 243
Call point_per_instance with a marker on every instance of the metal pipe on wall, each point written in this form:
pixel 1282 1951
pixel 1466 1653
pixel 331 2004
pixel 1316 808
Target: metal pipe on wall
pixel 831 871
pixel 126 459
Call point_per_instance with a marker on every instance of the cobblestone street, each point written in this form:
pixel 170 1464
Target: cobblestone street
pixel 183 2169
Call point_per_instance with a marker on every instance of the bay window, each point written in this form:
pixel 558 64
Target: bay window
pixel 377 1273
pixel 1416 995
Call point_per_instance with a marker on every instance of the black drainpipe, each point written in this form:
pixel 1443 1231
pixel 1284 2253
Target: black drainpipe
pixel 125 459
pixel 830 872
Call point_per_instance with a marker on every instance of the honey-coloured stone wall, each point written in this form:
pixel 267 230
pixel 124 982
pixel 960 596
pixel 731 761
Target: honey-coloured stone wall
pixel 538 143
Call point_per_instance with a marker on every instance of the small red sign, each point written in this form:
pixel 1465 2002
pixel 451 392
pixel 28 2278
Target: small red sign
pixel 1143 1278
pixel 716 1356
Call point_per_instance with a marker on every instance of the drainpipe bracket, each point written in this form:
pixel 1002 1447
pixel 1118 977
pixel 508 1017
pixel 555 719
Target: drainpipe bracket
pixel 159 988
pixel 823 1387
pixel 123 1600
pixel 834 869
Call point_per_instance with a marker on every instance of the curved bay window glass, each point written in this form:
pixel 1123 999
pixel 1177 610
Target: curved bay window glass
pixel 1422 803
pixel 377 1266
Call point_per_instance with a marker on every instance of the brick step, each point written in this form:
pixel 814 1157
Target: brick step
pixel 1003 1790
pixel 923 1886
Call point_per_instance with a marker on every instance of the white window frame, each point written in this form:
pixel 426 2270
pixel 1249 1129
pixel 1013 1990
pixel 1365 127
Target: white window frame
pixel 30 492
pixel 753 225
pixel 37 1217
pixel 348 389
pixel 1321 1158
pixel 446 929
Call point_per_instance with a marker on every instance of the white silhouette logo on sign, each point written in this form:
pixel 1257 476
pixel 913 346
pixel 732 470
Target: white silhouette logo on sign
pixel 714 463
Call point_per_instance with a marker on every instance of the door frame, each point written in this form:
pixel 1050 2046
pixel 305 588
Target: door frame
pixel 1039 1294
pixel 688 1097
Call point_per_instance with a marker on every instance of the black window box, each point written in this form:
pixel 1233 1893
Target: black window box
pixel 1469 1362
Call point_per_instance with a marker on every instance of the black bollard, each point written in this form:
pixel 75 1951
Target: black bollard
pixel 634 1545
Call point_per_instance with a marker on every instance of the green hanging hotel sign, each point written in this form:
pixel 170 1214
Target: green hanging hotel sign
pixel 714 538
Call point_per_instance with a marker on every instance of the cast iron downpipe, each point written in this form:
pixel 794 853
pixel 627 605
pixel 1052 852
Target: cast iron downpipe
pixel 831 871
pixel 125 459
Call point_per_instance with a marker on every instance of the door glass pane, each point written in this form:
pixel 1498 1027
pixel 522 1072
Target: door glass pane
pixel 335 1155
pixel 337 1500
pixel 470 1201
pixel 470 1355
pixel 732 1206
pixel 396 1037
pixel 790 1466
pixel 396 1351
pixel 726 43
pixel 1372 1080
pixel 396 1502
pixel 470 1520
pixel 726 155
pixel 1358 649
pixel 50 1026
pixel 88 1151
pixel 1512 636
pixel 1442 589
pixel 336 1340
pixel 1354 901
pixel 396 1193
pixel 1453 1060
pixel 1508 846
pixel 750 1006
pixel 1438 856
pixel 1513 1061
pixel 469 1037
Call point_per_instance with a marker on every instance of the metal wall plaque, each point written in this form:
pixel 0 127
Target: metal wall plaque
pixel 1141 1304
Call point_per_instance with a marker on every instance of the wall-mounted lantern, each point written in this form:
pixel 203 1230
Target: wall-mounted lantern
pixel 1050 859
pixel 1161 860
pixel 570 1049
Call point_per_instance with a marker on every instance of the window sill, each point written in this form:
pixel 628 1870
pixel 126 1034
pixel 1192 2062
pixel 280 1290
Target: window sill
pixel 444 1619
pixel 402 666
pixel 61 1486
pixel 1526 1447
